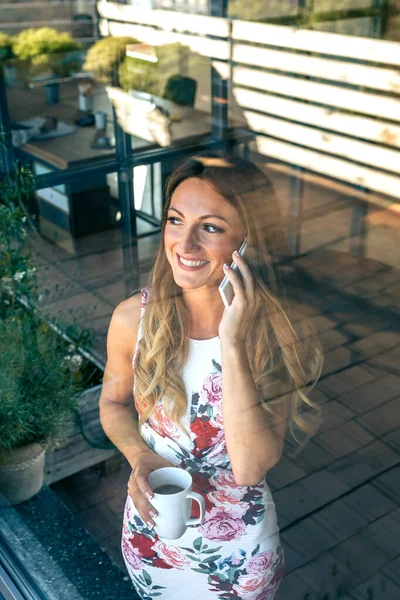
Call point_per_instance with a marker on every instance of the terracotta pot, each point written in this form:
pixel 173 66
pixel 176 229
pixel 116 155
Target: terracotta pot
pixel 21 474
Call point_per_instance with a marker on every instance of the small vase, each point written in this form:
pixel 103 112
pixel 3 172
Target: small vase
pixel 52 93
pixel 85 103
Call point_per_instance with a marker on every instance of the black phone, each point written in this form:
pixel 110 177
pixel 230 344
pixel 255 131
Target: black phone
pixel 226 289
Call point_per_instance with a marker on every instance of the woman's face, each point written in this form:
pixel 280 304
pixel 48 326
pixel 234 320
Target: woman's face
pixel 201 226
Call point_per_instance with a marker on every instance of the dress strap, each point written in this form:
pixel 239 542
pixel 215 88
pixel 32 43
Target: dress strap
pixel 145 297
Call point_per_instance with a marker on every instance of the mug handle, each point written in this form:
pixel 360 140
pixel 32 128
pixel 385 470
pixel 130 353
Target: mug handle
pixel 200 500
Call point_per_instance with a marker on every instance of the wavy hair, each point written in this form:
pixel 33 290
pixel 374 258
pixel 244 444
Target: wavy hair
pixel 284 355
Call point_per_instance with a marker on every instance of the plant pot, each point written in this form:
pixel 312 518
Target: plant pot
pixel 21 474
pixel 10 75
pixel 52 93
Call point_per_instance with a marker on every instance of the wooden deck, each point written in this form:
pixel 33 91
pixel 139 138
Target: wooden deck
pixel 338 499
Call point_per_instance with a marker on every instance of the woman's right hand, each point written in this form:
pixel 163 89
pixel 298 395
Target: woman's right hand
pixel 138 487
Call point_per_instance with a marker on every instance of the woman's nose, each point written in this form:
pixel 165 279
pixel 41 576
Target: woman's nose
pixel 188 242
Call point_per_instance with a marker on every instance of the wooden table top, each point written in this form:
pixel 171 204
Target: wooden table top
pixel 74 150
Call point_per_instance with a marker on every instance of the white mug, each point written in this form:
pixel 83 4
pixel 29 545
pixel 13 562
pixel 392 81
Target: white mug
pixel 174 509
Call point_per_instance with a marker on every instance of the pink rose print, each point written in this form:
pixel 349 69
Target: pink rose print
pixel 162 424
pixel 217 419
pixel 132 555
pixel 212 386
pixel 227 480
pixel 250 586
pixel 171 555
pixel 260 563
pixel 221 525
pixel 236 510
pixel 218 444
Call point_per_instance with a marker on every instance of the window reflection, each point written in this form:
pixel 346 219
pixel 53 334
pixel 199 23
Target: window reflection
pixel 315 88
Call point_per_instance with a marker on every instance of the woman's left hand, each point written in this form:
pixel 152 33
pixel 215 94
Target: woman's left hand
pixel 237 319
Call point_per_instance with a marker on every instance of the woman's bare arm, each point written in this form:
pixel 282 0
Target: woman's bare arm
pixel 117 411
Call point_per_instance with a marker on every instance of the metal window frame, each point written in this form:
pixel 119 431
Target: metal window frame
pixel 16 583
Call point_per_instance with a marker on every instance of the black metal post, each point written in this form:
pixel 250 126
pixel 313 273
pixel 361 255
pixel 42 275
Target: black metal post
pixel 127 207
pixel 6 146
pixel 295 209
pixel 219 87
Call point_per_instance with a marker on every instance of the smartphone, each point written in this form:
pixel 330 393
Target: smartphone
pixel 226 289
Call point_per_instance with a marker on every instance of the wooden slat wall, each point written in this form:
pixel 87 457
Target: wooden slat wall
pixel 387 80
pixel 314 112
pixel 330 143
pixel 165 19
pixel 326 118
pixel 330 44
pixel 210 48
pixel 329 95
pixel 330 166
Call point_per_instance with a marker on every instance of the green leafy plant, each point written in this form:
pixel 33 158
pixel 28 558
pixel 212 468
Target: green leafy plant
pixel 105 56
pixel 47 49
pixel 41 372
pixel 140 75
pixel 151 77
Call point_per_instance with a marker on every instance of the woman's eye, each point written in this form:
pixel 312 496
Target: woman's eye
pixel 213 227
pixel 209 227
pixel 171 219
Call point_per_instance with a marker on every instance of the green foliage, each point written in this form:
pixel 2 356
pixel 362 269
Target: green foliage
pixel 146 76
pixel 47 48
pixel 136 74
pixel 40 373
pixel 105 56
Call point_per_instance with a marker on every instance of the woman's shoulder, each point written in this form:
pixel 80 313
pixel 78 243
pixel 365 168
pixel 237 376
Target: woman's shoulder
pixel 128 312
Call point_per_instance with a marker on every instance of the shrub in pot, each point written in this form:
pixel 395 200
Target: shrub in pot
pixel 48 51
pixel 40 374
pixel 151 77
pixel 104 58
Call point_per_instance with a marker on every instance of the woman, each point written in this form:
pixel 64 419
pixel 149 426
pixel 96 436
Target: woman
pixel 214 388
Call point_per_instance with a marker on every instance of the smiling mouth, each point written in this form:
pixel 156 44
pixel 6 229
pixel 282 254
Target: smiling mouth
pixel 191 265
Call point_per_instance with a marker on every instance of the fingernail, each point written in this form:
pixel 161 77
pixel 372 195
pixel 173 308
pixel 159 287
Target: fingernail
pixel 226 266
pixel 236 252
pixel 150 525
pixel 152 513
pixel 149 496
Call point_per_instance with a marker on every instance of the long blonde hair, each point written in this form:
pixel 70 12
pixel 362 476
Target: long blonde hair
pixel 284 355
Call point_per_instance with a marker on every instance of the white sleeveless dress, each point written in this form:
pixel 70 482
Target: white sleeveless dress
pixel 236 552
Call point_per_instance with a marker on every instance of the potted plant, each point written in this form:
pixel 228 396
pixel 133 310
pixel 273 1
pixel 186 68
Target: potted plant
pixel 104 58
pixel 48 53
pixel 41 374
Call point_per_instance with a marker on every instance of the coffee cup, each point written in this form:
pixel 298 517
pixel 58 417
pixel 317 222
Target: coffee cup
pixel 172 499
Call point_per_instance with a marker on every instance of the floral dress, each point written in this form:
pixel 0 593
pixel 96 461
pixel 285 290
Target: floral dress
pixel 236 552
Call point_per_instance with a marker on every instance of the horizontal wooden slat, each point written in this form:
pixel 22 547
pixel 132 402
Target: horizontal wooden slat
pixel 340 188
pixel 165 19
pixel 332 70
pixel 332 167
pixel 357 101
pixel 333 44
pixel 355 150
pixel 360 127
pixel 211 48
